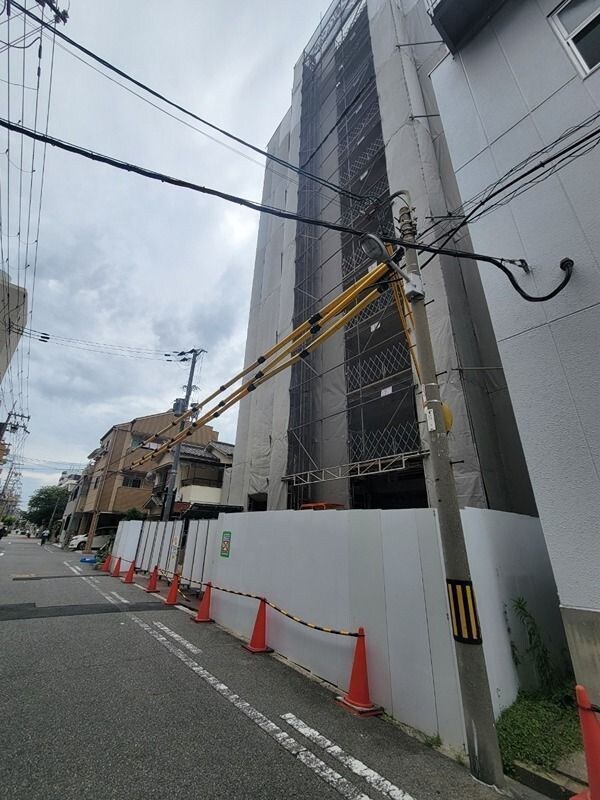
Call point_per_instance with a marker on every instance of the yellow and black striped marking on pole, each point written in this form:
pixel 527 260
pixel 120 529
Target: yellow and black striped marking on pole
pixel 463 612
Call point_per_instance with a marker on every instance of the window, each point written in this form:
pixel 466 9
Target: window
pixel 132 481
pixel 96 482
pixel 137 439
pixel 577 22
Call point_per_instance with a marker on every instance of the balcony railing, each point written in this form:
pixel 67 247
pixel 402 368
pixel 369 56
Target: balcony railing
pixel 201 482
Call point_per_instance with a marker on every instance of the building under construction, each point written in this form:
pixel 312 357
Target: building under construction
pixel 342 426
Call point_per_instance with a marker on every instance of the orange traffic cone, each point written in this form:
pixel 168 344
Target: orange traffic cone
pixel 153 582
pixel 106 564
pixel 590 728
pixel 357 699
pixel 203 614
pixel 258 642
pixel 117 568
pixel 171 598
pixel 130 573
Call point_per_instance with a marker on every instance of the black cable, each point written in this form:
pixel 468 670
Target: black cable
pixel 279 212
pixel 566 265
pixel 485 200
pixel 189 113
pixel 20 46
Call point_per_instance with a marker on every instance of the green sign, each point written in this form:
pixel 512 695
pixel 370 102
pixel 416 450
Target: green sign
pixel 225 544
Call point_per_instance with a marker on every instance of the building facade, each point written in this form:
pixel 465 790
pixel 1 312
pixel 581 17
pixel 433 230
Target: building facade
pixel 110 486
pixel 198 483
pixel 344 426
pixel 521 86
pixel 13 317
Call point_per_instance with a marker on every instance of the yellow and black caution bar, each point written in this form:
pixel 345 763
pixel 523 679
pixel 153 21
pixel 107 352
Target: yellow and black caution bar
pixel 463 612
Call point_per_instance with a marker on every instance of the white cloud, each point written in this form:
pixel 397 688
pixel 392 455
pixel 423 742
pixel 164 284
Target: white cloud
pixel 129 261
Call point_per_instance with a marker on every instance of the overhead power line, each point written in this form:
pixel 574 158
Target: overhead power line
pixel 108 65
pixel 110 345
pixel 566 264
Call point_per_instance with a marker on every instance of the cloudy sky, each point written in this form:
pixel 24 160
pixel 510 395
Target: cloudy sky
pixel 123 259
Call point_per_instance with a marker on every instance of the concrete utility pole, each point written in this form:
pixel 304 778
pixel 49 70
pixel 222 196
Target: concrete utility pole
pixel 172 476
pixel 482 741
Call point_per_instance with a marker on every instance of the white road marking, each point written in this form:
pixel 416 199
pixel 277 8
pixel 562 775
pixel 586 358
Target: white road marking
pixel 122 599
pixel 187 610
pixel 1 554
pixel 188 645
pixel 66 563
pixel 373 778
pixel 97 588
pixel 77 569
pixel 306 757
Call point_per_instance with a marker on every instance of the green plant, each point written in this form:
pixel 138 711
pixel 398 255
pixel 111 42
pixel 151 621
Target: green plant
pixel 134 513
pixel 538 730
pixel 433 741
pixel 536 648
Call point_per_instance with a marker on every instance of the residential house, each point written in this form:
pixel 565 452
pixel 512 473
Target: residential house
pixel 199 480
pixel 110 486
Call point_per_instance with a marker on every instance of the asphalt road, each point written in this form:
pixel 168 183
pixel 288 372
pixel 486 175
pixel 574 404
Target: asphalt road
pixel 107 694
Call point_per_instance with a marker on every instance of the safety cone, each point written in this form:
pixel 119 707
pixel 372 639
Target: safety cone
pixel 130 573
pixel 258 642
pixel 171 598
pixel 590 728
pixel 203 614
pixel 153 582
pixel 117 568
pixel 357 699
pixel 106 564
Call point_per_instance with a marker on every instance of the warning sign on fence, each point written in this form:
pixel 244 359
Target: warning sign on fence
pixel 225 544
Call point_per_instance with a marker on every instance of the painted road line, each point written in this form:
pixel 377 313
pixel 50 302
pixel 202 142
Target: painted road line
pixel 69 566
pixel 77 569
pixel 97 588
pixel 373 778
pixel 305 756
pixel 189 611
pixel 188 645
pixel 1 554
pixel 122 599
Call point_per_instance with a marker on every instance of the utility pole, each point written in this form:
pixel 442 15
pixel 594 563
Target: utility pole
pixel 482 741
pixel 172 476
pixel 52 517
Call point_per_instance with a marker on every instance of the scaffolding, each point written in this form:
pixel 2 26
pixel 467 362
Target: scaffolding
pixel 369 401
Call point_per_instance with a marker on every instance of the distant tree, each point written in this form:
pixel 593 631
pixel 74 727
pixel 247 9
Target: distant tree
pixel 48 503
pixel 7 519
pixel 134 513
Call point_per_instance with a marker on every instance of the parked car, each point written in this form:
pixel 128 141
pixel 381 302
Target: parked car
pixel 78 542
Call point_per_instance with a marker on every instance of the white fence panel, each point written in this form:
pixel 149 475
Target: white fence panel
pixel 195 552
pixel 144 545
pixel 161 545
pixel 175 531
pixel 126 542
pixel 382 570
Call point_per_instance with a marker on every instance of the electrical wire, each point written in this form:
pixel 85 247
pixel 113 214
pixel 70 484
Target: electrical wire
pixel 187 112
pixel 108 345
pixel 278 212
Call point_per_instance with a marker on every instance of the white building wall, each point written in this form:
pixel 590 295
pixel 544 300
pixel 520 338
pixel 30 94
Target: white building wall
pixel 510 91
pixel 199 494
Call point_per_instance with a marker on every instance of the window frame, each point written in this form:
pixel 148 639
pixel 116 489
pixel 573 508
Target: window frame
pixel 132 477
pixel 566 38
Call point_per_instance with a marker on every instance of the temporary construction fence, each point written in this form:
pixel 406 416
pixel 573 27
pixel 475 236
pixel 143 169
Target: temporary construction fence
pixel 381 570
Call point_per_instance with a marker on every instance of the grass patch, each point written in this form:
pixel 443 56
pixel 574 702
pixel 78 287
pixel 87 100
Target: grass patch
pixel 538 730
